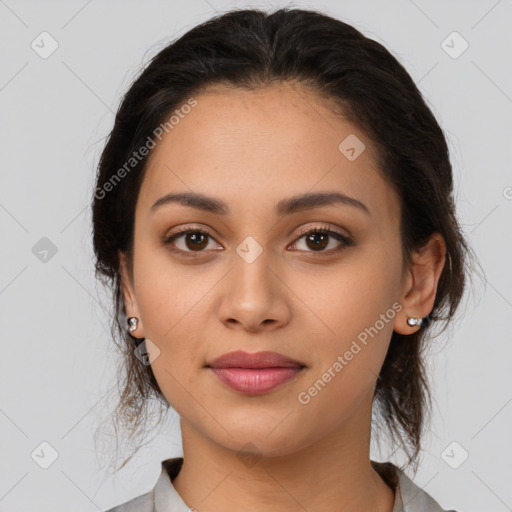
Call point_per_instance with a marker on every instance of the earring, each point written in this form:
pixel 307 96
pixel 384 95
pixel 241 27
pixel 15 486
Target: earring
pixel 415 321
pixel 132 322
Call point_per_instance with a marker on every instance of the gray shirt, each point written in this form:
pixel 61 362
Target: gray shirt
pixel 164 497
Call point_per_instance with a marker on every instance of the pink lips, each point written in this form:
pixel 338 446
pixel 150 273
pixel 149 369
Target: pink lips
pixel 257 373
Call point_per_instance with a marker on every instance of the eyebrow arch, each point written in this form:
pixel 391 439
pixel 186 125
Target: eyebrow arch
pixel 284 207
pixel 317 200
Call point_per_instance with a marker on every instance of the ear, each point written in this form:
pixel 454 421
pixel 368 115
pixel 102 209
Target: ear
pixel 131 307
pixel 420 284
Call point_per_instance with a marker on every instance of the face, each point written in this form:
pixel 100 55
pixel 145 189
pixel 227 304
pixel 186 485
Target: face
pixel 248 276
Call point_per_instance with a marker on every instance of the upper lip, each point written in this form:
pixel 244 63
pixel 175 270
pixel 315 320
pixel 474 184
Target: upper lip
pixel 240 359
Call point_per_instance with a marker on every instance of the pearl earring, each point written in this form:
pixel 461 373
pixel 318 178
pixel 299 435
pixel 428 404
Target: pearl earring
pixel 132 322
pixel 415 321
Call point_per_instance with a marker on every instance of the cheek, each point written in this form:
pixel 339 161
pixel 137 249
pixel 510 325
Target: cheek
pixel 172 300
pixel 351 300
pixel 169 295
pixel 173 320
pixel 354 311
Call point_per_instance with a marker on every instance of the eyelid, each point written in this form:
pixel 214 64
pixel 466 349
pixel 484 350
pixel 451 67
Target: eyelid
pixel 323 227
pixel 187 227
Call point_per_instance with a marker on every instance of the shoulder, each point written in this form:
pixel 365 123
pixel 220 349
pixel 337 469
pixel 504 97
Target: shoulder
pixel 163 496
pixel 413 498
pixel 408 496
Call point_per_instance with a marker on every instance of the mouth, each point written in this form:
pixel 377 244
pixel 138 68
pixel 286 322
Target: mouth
pixel 255 374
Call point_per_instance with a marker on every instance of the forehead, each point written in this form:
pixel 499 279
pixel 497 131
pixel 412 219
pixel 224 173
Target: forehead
pixel 252 148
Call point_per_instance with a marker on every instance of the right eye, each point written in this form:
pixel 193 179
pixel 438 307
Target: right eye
pixel 188 240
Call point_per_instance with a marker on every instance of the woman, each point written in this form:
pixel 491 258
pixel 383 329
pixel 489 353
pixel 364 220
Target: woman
pixel 274 212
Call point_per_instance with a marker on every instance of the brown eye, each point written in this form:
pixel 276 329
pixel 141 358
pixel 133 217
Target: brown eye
pixel 189 240
pixel 195 241
pixel 318 239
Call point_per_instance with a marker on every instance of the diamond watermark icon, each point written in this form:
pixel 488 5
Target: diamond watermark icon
pixel 351 147
pixel 454 45
pixel 44 45
pixel 147 352
pixel 44 455
pixel 249 249
pixel 249 454
pixel 44 250
pixel 454 455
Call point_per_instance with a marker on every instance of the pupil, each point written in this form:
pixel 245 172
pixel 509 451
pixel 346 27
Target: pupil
pixel 195 237
pixel 320 245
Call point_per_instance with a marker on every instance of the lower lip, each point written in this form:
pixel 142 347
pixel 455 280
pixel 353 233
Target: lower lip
pixel 255 381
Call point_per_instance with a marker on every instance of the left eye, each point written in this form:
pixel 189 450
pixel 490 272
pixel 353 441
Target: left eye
pixel 318 239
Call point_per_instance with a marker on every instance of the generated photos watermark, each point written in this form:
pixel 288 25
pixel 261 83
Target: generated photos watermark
pixel 137 156
pixel 304 397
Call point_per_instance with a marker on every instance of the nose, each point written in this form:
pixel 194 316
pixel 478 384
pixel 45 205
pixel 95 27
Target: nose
pixel 254 297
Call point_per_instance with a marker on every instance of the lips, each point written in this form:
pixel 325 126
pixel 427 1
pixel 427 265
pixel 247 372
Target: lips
pixel 255 374
pixel 242 359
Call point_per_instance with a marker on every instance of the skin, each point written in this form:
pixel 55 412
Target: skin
pixel 251 149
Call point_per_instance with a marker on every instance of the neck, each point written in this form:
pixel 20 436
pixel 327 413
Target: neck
pixel 333 473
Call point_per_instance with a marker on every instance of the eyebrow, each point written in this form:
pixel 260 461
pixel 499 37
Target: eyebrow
pixel 287 206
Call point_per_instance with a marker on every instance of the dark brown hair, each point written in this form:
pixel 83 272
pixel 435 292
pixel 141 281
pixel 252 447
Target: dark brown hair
pixel 252 49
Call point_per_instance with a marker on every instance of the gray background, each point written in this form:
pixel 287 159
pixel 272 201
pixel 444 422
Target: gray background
pixel 58 364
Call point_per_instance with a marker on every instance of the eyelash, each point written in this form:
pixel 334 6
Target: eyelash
pixel 343 239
